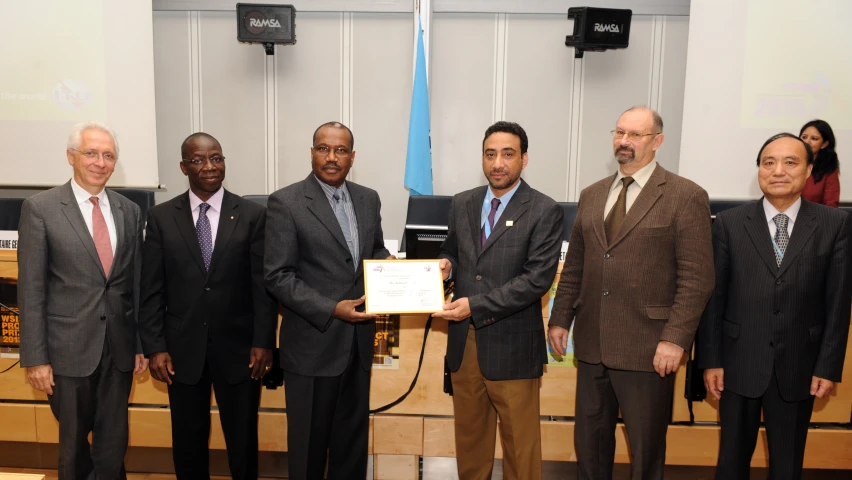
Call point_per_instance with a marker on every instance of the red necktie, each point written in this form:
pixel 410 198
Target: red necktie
pixel 101 236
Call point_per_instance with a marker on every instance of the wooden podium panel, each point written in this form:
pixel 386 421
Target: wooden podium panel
pixel 18 423
pixel 9 264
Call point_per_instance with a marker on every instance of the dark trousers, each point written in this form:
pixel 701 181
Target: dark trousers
pixel 190 409
pixel 786 433
pixel 645 401
pixel 328 419
pixel 96 404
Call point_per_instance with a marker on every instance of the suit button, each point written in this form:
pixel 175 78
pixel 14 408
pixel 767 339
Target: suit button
pixel 103 317
pixel 606 293
pixel 206 289
pixel 771 344
pixel 607 255
pixel 479 277
pixel 778 282
pixel 107 288
pixel 777 312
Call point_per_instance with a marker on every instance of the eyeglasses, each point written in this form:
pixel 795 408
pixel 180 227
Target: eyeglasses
pixel 198 161
pixel 93 155
pixel 616 134
pixel 339 151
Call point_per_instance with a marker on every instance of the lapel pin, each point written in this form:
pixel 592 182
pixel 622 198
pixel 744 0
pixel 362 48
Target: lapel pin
pixel 232 217
pixel 509 223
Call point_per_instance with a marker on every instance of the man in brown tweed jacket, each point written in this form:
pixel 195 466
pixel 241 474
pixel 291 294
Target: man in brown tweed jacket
pixel 638 274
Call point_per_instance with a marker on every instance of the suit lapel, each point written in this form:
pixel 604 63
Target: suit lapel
pixel 186 227
pixel 516 208
pixel 598 205
pixel 802 231
pixel 474 214
pixel 648 196
pixel 365 218
pixel 118 216
pixel 75 217
pixel 228 218
pixel 319 206
pixel 758 230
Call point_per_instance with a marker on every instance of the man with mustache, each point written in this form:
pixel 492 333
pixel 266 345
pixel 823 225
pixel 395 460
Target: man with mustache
pixel 637 276
pixel 318 232
pixel 206 319
pixel 501 250
pixel 774 334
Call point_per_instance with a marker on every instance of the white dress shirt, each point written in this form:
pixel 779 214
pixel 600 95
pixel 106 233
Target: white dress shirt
pixel 640 178
pixel 791 213
pixel 87 207
pixel 213 212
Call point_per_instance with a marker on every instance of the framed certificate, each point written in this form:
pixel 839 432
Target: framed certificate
pixel 403 286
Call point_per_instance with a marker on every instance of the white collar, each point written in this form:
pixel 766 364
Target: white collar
pixel 215 201
pixel 640 178
pixel 82 196
pixel 791 212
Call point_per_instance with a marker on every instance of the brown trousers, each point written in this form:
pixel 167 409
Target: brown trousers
pixel 477 404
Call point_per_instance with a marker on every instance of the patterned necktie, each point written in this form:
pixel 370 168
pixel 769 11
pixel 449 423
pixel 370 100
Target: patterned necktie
pixel 613 219
pixel 100 234
pixel 495 204
pixel 205 235
pixel 343 220
pixel 782 238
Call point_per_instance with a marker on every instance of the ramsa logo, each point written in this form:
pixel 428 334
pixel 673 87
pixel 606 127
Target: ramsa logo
pixel 263 23
pixel 611 28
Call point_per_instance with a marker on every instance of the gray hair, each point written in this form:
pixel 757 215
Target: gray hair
pixel 658 120
pixel 76 137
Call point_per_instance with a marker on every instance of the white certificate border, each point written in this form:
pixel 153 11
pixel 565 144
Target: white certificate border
pixel 438 278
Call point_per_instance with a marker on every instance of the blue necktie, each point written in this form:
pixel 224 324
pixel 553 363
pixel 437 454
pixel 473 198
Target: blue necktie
pixel 343 220
pixel 205 236
pixel 782 238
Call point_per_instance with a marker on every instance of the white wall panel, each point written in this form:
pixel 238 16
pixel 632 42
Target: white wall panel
pixel 462 96
pixel 381 99
pixel 309 90
pixel 233 100
pixel 173 85
pixel 538 95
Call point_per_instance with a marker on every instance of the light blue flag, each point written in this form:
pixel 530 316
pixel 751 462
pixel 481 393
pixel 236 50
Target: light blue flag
pixel 418 159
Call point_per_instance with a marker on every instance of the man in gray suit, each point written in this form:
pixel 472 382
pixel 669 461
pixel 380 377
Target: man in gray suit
pixel 503 248
pixel 317 232
pixel 78 291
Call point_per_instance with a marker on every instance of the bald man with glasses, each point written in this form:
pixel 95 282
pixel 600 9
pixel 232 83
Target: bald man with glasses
pixel 637 276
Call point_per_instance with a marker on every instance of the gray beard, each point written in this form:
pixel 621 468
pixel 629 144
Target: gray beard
pixel 625 161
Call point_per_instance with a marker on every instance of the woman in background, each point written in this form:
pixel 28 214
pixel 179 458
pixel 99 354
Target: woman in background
pixel 823 186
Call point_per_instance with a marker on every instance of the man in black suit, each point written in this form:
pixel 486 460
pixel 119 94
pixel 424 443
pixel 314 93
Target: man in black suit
pixel 319 230
pixel 206 318
pixel 774 333
pixel 502 248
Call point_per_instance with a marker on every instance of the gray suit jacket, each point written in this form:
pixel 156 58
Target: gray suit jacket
pixel 309 269
pixel 67 305
pixel 503 280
